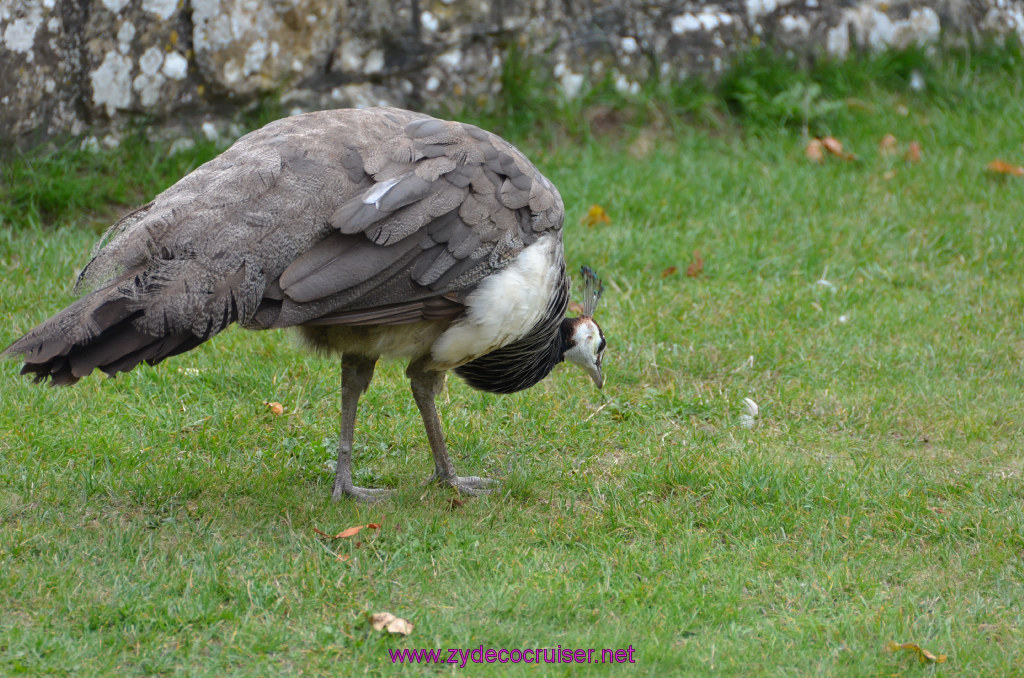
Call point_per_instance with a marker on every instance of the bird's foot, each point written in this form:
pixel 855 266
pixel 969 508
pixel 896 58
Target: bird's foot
pixel 369 495
pixel 465 484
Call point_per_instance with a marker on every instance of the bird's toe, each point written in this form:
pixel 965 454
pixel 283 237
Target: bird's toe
pixel 368 495
pixel 467 484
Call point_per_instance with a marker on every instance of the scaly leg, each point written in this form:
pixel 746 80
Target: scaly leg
pixel 426 384
pixel 356 373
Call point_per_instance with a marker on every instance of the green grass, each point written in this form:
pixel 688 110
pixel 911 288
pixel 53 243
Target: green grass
pixel 163 522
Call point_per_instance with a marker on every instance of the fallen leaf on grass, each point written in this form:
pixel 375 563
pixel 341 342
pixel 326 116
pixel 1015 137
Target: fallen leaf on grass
pixel 696 266
pixel 815 151
pixel 887 145
pixel 1002 167
pixel 454 503
pixel 347 532
pixel 385 621
pixel 913 154
pixel 576 307
pixel 835 147
pixel 668 271
pixel 832 145
pixel 923 655
pixel 275 408
pixel 595 215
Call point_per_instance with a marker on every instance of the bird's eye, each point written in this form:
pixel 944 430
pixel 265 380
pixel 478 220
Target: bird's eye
pixel 600 347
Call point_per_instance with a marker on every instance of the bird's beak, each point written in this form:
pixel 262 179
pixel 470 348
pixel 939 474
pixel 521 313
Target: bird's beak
pixel 595 373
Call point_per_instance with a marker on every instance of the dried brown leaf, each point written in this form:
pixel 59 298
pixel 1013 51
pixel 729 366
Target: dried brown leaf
pixel 1002 167
pixel 385 621
pixel 887 145
pixel 815 151
pixel 817 148
pixel 913 154
pixel 669 271
pixel 275 408
pixel 696 266
pixel 575 307
pixel 595 215
pixel 923 655
pixel 348 532
pixel 833 146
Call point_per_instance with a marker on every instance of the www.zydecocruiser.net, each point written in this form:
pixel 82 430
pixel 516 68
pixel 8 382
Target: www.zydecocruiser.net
pixel 479 655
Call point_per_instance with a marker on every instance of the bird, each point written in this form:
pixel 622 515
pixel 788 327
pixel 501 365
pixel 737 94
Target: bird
pixel 376 233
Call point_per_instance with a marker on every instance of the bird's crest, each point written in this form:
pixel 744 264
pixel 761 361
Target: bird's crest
pixel 592 289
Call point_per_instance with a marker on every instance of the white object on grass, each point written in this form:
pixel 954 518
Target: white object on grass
pixel 750 411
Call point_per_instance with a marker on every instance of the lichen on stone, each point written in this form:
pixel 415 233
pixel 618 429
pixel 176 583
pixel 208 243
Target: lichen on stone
pixel 106 60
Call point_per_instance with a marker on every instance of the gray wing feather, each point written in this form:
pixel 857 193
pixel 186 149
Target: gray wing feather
pixel 512 197
pixel 338 263
pixel 424 128
pixel 408 189
pixel 427 275
pixel 463 241
pixel 543 198
pixel 430 169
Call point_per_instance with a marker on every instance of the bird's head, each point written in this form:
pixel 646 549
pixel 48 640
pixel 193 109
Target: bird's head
pixel 583 339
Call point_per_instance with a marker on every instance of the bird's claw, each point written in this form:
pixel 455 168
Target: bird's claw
pixel 369 495
pixel 473 485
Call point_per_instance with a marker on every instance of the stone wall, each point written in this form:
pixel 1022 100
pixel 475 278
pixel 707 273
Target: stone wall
pixel 79 66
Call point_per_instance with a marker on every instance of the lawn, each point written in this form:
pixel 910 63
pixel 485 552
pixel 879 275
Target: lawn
pixel 166 522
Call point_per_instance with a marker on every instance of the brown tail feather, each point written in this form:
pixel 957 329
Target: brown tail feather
pixel 97 331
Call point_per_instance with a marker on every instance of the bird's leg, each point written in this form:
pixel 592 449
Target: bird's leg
pixel 426 384
pixel 356 373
